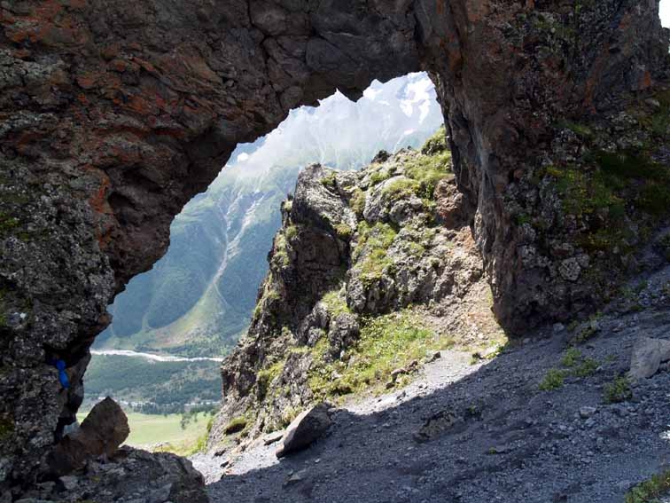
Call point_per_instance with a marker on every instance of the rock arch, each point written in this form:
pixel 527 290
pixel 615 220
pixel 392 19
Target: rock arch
pixel 114 114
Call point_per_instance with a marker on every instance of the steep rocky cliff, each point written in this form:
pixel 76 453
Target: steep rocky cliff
pixel 369 273
pixel 114 114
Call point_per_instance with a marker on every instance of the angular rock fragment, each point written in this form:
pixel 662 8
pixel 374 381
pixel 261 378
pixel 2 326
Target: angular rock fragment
pixel 648 354
pixel 435 426
pixel 305 429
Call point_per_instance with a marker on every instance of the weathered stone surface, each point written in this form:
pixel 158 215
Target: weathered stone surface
pixel 648 354
pixel 309 426
pixel 114 114
pixel 311 313
pixel 102 432
pixel 128 475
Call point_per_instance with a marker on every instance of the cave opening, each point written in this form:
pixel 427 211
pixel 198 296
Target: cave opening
pixel 173 324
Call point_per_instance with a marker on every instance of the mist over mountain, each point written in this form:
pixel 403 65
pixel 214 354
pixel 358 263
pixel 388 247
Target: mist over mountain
pixel 198 299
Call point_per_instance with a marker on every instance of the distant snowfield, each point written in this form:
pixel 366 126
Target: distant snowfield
pixel 151 357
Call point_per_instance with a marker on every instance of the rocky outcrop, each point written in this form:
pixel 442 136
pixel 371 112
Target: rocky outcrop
pixel 130 475
pixel 363 261
pixel 115 113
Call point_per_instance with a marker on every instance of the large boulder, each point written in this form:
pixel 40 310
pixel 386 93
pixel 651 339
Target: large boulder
pixel 305 429
pixel 648 354
pixel 102 432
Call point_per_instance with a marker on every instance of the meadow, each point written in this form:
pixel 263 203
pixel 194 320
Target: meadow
pixel 155 432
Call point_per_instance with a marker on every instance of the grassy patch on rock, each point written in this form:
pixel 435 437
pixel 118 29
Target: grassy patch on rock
pixel 371 256
pixel 574 364
pixel 618 391
pixel 386 343
pixel 235 425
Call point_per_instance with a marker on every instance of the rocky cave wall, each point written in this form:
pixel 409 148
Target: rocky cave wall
pixel 114 114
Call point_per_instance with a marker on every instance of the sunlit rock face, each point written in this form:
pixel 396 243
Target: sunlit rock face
pixel 114 114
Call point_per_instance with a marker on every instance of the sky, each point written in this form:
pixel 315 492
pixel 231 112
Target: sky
pixel 665 13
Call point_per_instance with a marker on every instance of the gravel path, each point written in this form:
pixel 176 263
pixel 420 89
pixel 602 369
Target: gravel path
pixel 487 432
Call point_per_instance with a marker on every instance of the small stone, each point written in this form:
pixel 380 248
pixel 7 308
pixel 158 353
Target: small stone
pixel 432 356
pixel 586 412
pixel 653 102
pixel 69 482
pixel 273 437
pixel 296 477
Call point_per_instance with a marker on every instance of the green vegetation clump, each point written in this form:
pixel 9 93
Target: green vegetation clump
pixel 610 186
pixel 436 143
pixel 427 170
pixel 650 490
pixel 618 390
pixel 291 232
pixel 236 425
pixel 371 255
pixel 330 180
pixel 280 258
pixel 379 176
pixel 587 367
pixel 402 188
pixel 265 377
pixel 575 365
pixel 571 357
pixel 335 303
pixel 552 380
pixel 343 231
pixel 357 201
pixel 585 193
pixel 386 343
pixel 7 223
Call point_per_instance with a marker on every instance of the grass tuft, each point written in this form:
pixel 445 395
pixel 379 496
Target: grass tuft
pixel 554 379
pixel 236 425
pixel 650 490
pixel 618 391
pixel 386 343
